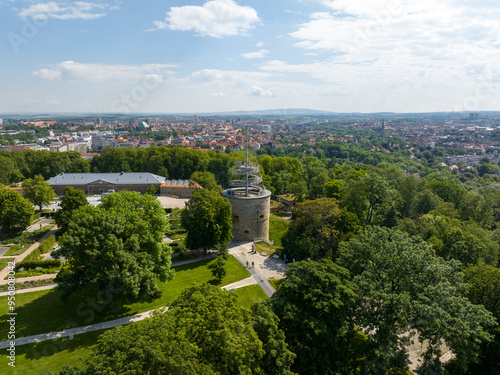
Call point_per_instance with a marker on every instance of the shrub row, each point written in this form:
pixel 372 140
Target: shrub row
pixel 178 246
pixel 47 244
pixel 39 263
pixel 43 248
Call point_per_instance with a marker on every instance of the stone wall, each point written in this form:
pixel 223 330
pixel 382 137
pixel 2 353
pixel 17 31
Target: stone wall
pixel 250 217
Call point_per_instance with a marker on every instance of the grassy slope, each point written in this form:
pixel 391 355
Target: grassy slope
pixel 52 355
pixel 248 295
pixel 43 311
pixel 277 228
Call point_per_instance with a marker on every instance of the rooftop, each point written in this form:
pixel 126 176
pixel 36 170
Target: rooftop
pixel 113 178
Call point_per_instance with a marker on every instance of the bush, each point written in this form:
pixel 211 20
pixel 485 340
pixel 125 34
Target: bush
pixel 44 247
pixel 178 246
pixel 48 244
pixel 34 264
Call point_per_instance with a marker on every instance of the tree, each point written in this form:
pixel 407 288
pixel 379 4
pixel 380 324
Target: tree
pixel 365 196
pixel 71 200
pixel 390 218
pixel 16 213
pixel 317 229
pixel 405 290
pixel 484 289
pixel 154 346
pixel 119 243
pixel 206 180
pixel 315 304
pixel 38 191
pixel 231 339
pixel 205 332
pixel 218 267
pixel 333 188
pixel 152 190
pixel 207 220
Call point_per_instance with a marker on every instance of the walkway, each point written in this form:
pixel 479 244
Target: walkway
pixel 20 258
pixel 263 267
pixel 78 330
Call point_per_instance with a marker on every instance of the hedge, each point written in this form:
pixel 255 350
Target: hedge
pixel 39 263
pixel 42 249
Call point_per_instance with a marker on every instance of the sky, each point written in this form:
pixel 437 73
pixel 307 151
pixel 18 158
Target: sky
pixel 199 56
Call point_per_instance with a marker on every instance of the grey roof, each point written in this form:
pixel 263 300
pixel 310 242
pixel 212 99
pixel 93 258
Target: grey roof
pixel 177 182
pixel 121 178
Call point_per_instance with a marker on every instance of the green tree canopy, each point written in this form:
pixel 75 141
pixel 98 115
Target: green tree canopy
pixel 71 200
pixel 206 180
pixel 406 289
pixel 317 229
pixel 16 213
pixel 207 220
pixel 315 304
pixel 154 346
pixel 484 289
pixel 120 241
pixel 231 339
pixel 205 332
pixel 38 191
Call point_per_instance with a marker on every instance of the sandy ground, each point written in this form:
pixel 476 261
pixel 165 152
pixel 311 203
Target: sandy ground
pixel 168 202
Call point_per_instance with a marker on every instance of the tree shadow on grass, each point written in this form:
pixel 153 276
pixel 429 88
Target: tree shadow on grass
pixel 49 348
pixel 47 313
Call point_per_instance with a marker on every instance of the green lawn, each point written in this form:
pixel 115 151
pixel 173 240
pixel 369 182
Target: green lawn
pixel 248 295
pixel 277 228
pixel 273 282
pixel 15 250
pixel 269 250
pixel 50 355
pixel 4 262
pixel 43 311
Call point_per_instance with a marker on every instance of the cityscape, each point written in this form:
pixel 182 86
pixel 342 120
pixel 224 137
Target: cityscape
pixel 219 187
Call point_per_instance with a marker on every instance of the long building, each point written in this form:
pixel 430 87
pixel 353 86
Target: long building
pixel 97 183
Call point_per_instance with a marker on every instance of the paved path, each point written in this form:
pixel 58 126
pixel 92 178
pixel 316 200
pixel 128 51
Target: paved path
pixel 76 331
pixel 20 258
pixel 42 223
pixel 240 284
pixel 29 290
pixel 263 267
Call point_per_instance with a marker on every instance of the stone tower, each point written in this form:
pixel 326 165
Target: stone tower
pixel 250 202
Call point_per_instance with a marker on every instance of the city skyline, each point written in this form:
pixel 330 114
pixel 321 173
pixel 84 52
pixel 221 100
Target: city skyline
pixel 225 55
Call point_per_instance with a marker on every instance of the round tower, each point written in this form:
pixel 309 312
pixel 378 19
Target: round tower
pixel 251 204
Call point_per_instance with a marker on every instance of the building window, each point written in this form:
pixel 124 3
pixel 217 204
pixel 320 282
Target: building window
pixel 246 232
pixel 236 218
pixel 262 217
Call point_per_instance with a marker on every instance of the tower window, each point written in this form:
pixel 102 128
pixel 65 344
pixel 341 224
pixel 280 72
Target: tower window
pixel 236 218
pixel 246 232
pixel 262 216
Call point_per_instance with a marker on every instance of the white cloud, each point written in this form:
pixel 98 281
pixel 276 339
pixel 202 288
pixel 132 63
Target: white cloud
pixel 228 75
pixel 70 70
pixel 66 11
pixel 48 74
pixel 216 18
pixel 259 91
pixel 260 44
pixel 399 48
pixel 255 55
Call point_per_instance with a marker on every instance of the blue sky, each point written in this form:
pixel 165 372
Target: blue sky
pixel 225 55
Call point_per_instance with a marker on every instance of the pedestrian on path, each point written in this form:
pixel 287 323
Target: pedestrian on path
pixel 252 265
pixel 247 263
